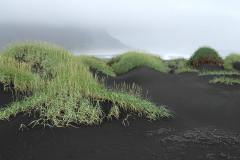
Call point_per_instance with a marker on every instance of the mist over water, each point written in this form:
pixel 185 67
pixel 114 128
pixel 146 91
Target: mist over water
pixel 102 53
pixel 170 28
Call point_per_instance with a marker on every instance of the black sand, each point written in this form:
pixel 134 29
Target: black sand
pixel 205 126
pixel 5 97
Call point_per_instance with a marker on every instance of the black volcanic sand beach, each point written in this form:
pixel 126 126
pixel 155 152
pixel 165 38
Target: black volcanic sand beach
pixel 205 126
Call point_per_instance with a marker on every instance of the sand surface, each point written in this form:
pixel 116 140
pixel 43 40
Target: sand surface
pixel 205 126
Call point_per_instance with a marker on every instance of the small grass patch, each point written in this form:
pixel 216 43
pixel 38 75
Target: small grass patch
pixel 230 60
pixel 225 80
pixel 63 91
pixel 130 60
pixel 205 55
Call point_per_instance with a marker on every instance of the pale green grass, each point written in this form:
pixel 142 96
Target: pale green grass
pixel 229 60
pixel 63 91
pixel 18 74
pixel 130 60
pixel 225 80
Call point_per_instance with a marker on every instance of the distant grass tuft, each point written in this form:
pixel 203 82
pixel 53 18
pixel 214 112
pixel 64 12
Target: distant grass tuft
pixel 63 91
pixel 230 60
pixel 205 55
pixel 219 73
pixel 225 80
pixel 130 60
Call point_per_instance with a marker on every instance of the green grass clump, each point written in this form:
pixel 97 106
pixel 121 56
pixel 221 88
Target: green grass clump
pixel 205 55
pixel 63 91
pixel 225 80
pixel 230 60
pixel 180 65
pixel 96 63
pixel 130 60
pixel 114 112
pixel 41 57
pixel 20 75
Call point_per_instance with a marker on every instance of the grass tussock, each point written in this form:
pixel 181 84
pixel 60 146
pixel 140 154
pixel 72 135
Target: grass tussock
pixel 225 80
pixel 205 55
pixel 63 91
pixel 11 72
pixel 130 60
pixel 230 60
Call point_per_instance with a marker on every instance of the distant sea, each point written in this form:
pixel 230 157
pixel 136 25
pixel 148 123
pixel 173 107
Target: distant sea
pixel 166 56
pixel 111 54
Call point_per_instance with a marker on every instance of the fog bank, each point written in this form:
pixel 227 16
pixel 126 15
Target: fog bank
pixel 170 28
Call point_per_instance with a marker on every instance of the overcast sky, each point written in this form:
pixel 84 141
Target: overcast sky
pixel 167 27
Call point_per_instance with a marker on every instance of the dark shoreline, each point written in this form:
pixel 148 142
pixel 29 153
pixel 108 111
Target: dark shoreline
pixel 205 126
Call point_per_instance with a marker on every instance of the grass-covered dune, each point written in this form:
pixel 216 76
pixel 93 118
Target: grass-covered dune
pixel 130 60
pixel 62 91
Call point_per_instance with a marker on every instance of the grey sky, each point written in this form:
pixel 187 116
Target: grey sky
pixel 168 27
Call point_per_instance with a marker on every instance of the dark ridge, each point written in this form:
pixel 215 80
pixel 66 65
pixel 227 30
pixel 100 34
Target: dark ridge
pixel 236 66
pixel 205 126
pixel 210 67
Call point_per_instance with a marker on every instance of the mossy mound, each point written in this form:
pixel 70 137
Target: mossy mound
pixel 205 56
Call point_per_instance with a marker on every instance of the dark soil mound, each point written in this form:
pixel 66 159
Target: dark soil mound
pixel 210 67
pixel 205 126
pixel 236 66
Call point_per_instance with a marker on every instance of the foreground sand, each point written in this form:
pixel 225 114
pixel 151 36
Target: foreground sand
pixel 205 126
